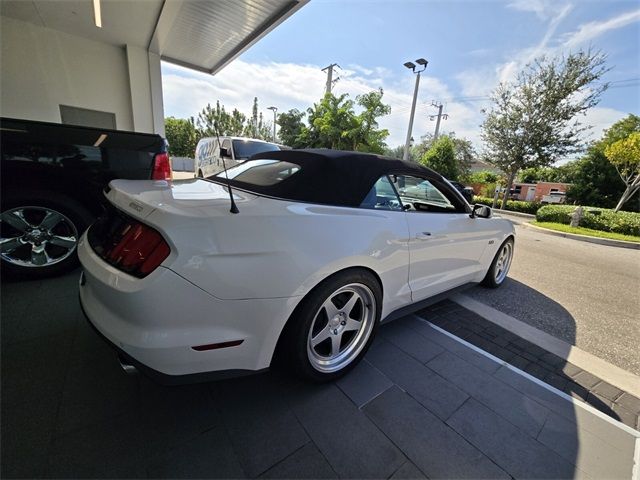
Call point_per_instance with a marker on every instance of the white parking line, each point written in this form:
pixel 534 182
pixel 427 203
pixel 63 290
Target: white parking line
pixel 569 398
pixel 612 374
pixel 635 473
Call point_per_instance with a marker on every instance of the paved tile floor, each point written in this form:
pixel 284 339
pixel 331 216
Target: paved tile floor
pixel 422 405
pixel 536 361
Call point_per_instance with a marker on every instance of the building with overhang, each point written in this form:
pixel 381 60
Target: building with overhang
pixel 97 62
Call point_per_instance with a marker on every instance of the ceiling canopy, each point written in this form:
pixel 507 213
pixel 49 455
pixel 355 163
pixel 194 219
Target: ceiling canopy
pixel 204 35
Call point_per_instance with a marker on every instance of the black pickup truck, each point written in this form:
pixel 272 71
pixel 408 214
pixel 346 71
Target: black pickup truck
pixel 52 180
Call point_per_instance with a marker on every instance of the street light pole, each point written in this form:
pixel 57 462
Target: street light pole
pixel 412 67
pixel 275 109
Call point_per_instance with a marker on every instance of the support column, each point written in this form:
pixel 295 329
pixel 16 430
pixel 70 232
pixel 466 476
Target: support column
pixel 157 102
pixel 141 83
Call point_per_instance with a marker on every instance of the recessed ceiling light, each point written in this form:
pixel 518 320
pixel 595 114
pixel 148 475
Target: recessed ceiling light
pixel 97 14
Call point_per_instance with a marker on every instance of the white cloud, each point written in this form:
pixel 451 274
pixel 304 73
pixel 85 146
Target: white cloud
pixel 480 82
pixel 289 86
pixel 588 31
pixel 284 85
pixel 601 118
pixel 544 9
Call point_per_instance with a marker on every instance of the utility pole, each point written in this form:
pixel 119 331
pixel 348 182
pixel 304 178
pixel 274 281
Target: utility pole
pixel 275 109
pixel 330 80
pixel 438 116
pixel 412 66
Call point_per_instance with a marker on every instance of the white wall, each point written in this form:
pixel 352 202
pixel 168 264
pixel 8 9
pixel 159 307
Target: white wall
pixel 41 68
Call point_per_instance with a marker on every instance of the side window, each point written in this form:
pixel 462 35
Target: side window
pixel 420 195
pixel 227 144
pixel 382 196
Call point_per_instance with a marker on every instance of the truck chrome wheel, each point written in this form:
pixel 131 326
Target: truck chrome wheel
pixel 504 262
pixel 36 236
pixel 341 328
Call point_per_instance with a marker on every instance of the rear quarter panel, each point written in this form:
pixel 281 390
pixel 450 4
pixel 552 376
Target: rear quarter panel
pixel 275 248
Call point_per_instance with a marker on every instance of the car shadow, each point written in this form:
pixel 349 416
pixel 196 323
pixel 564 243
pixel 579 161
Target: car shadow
pixel 530 306
pixel 534 308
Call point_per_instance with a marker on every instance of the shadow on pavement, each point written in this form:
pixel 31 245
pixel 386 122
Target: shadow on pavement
pixel 422 404
pixel 527 304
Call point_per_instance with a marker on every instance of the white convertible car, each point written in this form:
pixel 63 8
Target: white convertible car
pixel 325 246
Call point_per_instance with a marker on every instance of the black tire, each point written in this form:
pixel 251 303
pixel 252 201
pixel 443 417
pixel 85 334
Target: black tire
pixel 34 206
pixel 492 279
pixel 296 338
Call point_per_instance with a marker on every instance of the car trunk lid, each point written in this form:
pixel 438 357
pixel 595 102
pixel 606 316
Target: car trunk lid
pixel 189 198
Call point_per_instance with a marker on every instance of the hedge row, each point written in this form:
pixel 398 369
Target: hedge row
pixel 512 205
pixel 604 219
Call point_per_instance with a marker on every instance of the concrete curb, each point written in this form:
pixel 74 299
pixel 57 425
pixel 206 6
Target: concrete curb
pixel 577 402
pixel 588 362
pixel 515 214
pixel 584 238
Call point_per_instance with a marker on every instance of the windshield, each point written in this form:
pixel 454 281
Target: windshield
pixel 244 149
pixel 412 191
pixel 263 172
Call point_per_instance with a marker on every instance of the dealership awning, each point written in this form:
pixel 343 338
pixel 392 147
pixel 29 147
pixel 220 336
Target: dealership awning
pixel 204 35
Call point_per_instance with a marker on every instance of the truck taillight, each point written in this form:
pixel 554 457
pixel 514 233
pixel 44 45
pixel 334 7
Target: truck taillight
pixel 161 167
pixel 134 248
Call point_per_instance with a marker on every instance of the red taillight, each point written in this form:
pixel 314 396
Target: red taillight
pixel 161 167
pixel 140 251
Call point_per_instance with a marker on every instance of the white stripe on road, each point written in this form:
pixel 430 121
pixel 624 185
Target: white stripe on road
pixel 537 381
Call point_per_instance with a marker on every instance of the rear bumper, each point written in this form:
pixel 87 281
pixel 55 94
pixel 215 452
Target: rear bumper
pixel 155 322
pixel 164 378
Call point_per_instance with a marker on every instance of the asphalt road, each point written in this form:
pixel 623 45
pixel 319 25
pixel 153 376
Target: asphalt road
pixel 583 293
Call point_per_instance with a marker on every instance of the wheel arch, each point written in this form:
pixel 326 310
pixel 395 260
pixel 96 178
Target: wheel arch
pixel 30 194
pixel 287 325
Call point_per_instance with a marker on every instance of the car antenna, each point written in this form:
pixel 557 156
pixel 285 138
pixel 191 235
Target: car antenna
pixel 234 207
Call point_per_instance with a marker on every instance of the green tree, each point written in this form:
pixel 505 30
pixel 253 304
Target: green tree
pixel 533 121
pixel 621 129
pixel 333 123
pixel 291 126
pixel 562 173
pixel 624 154
pixel 227 124
pixel 257 127
pixel 537 174
pixel 441 157
pixel 396 152
pixel 182 136
pixel 464 154
pixel 367 137
pixel 484 176
pixel 595 181
pixel 417 150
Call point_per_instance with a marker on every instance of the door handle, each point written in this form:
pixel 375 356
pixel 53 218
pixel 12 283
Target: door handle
pixel 423 236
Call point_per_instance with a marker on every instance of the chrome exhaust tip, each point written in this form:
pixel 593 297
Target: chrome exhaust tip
pixel 126 366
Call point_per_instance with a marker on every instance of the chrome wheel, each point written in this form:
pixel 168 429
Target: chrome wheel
pixel 503 262
pixel 36 236
pixel 341 327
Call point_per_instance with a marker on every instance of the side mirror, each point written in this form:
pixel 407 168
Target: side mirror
pixel 224 152
pixel 480 211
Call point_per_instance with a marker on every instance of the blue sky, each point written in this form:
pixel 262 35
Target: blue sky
pixel 471 46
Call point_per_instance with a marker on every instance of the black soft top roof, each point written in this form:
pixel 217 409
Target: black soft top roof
pixel 331 177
